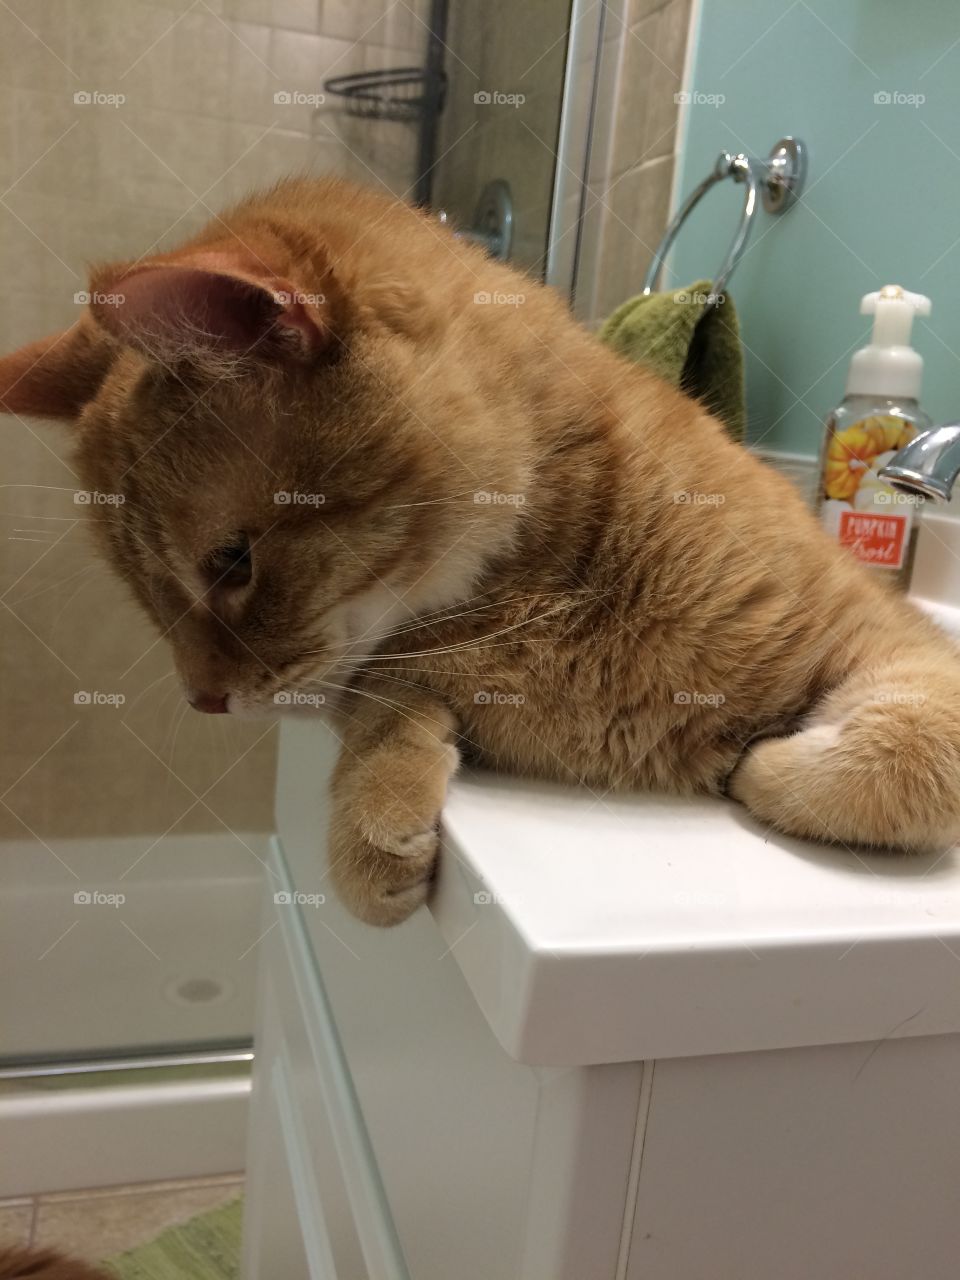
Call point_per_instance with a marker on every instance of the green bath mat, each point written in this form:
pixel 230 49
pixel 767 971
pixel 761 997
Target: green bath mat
pixel 205 1248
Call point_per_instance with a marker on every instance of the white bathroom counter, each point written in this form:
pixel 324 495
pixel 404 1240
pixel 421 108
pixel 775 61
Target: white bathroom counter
pixel 626 928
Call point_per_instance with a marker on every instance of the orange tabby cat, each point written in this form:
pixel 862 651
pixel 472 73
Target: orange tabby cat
pixel 358 459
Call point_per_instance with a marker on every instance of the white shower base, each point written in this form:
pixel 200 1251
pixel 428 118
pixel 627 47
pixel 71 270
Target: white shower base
pixel 79 1137
pixel 128 943
pixel 125 947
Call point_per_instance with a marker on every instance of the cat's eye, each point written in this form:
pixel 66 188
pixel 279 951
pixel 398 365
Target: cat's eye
pixel 229 565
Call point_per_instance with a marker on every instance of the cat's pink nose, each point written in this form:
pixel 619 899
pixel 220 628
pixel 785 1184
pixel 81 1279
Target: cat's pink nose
pixel 214 704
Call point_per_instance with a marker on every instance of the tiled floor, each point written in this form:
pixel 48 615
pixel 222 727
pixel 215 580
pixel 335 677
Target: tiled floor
pixel 103 1221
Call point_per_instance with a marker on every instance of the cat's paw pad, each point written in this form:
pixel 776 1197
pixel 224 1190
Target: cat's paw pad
pixel 383 885
pixel 403 842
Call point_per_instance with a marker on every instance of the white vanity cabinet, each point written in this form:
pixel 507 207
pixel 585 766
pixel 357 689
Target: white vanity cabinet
pixel 631 1039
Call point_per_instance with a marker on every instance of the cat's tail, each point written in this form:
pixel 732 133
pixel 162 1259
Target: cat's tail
pixel 877 762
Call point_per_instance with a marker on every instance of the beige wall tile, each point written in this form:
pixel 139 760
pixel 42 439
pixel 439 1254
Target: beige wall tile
pixel 123 46
pixel 56 144
pixel 203 50
pixel 8 136
pixel 180 6
pixel 300 15
pixel 636 207
pixel 32 249
pixel 633 87
pixel 159 158
pixel 370 21
pixel 303 62
pixel 252 79
pixel 632 161
pixel 646 81
pixel 37 42
pixel 634 10
pixel 669 47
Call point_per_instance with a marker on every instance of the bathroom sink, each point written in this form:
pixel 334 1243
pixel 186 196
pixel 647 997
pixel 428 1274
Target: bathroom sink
pixel 945 615
pixel 936 577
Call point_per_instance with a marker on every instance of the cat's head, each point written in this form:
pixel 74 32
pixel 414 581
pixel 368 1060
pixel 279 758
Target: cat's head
pixel 278 466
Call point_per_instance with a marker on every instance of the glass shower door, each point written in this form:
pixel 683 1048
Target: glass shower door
pixel 132 831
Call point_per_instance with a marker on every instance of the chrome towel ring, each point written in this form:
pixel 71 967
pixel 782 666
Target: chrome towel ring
pixel 778 179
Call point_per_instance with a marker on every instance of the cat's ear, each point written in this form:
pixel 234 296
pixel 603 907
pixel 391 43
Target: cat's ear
pixel 214 300
pixel 55 377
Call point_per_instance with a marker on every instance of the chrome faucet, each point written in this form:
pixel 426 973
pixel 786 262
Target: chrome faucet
pixel 928 465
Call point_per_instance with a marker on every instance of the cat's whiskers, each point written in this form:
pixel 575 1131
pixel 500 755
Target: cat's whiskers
pixel 476 642
pixel 434 617
pixel 384 673
pixel 176 725
pixel 432 502
pixel 84 583
pixel 439 617
pixel 165 704
pixel 467 645
pixel 61 582
pixel 397 707
pixel 387 658
pixel 167 675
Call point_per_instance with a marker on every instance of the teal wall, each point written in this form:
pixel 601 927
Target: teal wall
pixel 882 203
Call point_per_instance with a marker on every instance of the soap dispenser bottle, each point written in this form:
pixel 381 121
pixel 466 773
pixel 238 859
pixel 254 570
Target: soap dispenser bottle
pixel 880 413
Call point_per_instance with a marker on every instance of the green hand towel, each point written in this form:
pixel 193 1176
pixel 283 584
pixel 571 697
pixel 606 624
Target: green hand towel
pixel 694 347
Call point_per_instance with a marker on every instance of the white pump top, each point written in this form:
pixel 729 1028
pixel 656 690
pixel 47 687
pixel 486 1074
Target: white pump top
pixel 889 367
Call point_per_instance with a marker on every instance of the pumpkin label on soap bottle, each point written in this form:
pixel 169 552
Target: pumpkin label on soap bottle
pixel 865 514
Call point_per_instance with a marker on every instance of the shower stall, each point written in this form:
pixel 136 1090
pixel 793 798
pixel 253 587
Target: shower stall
pixel 133 831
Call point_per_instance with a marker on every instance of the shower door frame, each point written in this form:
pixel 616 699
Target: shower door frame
pixel 574 143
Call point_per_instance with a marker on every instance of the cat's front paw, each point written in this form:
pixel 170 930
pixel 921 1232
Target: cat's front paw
pixel 383 883
pixel 384 834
